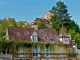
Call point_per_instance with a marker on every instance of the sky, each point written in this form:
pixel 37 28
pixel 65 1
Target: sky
pixel 29 10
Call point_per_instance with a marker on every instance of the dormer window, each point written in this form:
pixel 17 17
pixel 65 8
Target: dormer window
pixel 34 38
pixel 66 41
pixel 64 37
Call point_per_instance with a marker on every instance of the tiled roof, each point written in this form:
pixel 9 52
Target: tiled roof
pixel 42 20
pixel 22 33
pixel 47 34
pixel 63 34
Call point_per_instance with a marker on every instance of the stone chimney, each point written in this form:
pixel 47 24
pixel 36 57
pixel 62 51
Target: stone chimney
pixel 34 25
pixel 7 36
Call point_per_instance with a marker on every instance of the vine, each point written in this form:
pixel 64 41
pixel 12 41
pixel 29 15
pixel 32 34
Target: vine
pixel 12 44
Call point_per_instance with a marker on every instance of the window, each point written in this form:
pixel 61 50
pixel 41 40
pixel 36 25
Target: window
pixel 60 50
pixel 21 51
pixel 38 51
pixel 71 50
pixel 66 41
pixel 34 38
pixel 47 51
pixel 78 51
pixel 34 50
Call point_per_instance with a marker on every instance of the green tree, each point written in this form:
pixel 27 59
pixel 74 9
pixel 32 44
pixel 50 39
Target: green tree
pixel 41 25
pixel 77 39
pixel 11 22
pixel 7 22
pixel 72 33
pixel 4 24
pixel 61 18
pixel 22 24
pixel 60 13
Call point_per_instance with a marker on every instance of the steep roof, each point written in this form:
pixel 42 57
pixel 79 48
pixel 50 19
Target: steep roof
pixel 18 33
pixel 63 34
pixel 46 34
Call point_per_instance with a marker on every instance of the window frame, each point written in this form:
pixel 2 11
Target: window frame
pixel 48 51
pixel 21 50
pixel 34 38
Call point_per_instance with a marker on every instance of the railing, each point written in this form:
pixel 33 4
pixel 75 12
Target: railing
pixel 5 56
pixel 39 56
pixel 57 56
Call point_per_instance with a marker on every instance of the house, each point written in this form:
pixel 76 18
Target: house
pixel 65 39
pixel 46 35
pixel 45 21
pixel 48 15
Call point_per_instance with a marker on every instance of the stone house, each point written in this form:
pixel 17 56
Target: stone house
pixel 40 35
pixel 45 21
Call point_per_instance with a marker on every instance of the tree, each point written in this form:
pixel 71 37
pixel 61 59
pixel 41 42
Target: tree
pixel 72 33
pixel 61 18
pixel 7 22
pixel 77 39
pixel 41 25
pixel 60 11
pixel 22 24
pixel 60 14
pixel 11 22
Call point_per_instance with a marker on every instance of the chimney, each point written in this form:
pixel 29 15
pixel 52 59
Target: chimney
pixel 7 35
pixel 34 25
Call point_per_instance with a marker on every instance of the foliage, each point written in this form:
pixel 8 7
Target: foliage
pixel 61 18
pixel 63 29
pixel 19 43
pixel 4 23
pixel 71 54
pixel 22 24
pixel 11 44
pixel 72 33
pixel 7 22
pixel 77 39
pixel 41 25
pixel 2 45
pixel 2 33
pixel 60 13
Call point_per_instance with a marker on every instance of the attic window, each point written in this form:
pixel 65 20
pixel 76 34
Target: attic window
pixel 66 42
pixel 34 38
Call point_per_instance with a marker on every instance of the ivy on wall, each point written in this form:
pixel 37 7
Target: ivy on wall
pixel 11 44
